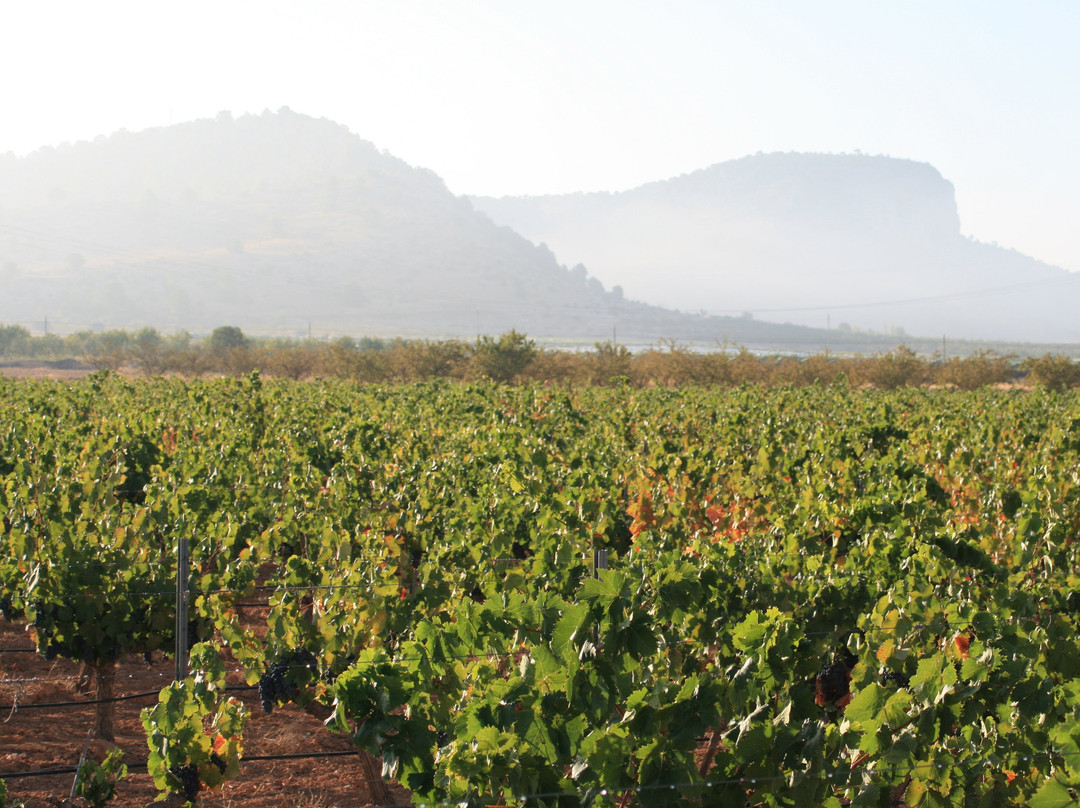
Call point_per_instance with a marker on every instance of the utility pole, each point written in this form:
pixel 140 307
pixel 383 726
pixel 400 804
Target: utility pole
pixel 944 351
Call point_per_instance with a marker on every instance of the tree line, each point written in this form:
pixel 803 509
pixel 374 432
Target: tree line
pixel 513 357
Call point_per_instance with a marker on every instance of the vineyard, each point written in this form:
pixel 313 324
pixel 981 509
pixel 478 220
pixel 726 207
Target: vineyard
pixel 560 596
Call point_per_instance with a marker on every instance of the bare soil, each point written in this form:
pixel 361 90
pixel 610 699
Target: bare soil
pixel 33 739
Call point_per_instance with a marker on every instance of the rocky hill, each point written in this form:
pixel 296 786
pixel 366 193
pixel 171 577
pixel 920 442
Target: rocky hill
pixel 285 224
pixel 275 223
pixel 849 241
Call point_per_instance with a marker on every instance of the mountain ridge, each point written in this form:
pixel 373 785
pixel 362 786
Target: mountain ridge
pixel 266 214
pixel 811 238
pixel 286 224
pixel 283 223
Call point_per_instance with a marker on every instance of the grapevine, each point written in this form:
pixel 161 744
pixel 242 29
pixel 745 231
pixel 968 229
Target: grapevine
pixel 852 595
pixel 283 678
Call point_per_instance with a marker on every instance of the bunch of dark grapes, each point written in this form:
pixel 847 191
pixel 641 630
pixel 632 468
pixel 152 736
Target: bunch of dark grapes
pixel 6 609
pixel 188 777
pixel 40 613
pixel 901 680
pixel 284 677
pixel 76 647
pixel 832 684
pixel 80 650
pixel 331 673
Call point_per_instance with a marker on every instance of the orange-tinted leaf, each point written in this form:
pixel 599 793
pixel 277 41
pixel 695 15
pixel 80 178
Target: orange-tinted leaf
pixel 962 643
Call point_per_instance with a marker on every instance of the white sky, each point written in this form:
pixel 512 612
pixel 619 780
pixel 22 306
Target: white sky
pixel 507 97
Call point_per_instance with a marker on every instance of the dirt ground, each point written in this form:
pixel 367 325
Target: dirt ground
pixel 33 739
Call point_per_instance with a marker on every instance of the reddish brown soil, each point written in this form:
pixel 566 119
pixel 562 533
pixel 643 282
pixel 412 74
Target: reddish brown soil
pixel 32 739
pixel 54 737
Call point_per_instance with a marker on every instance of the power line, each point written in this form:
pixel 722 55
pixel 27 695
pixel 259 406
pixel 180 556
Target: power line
pixel 970 294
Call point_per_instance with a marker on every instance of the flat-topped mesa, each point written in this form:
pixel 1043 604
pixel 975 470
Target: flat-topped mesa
pixel 870 242
pixel 853 190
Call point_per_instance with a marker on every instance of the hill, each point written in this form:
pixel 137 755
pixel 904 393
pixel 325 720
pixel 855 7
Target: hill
pixel 851 241
pixel 271 222
pixel 285 224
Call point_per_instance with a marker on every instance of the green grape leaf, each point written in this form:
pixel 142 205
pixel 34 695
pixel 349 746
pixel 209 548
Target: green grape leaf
pixel 1051 794
pixel 866 706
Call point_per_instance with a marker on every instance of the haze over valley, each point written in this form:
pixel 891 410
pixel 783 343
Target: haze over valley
pixel 852 241
pixel 286 224
pixel 275 222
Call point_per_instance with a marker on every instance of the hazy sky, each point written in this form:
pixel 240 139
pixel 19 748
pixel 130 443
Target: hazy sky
pixel 505 97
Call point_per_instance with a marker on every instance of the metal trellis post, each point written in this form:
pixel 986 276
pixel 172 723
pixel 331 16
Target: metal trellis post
pixel 181 608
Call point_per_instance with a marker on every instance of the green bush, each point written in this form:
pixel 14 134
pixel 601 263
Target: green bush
pixel 1054 372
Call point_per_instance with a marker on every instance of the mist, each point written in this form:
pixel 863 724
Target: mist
pixel 829 241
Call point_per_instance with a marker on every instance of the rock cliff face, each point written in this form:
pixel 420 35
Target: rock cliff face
pixel 855 192
pixel 854 195
pixel 873 242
